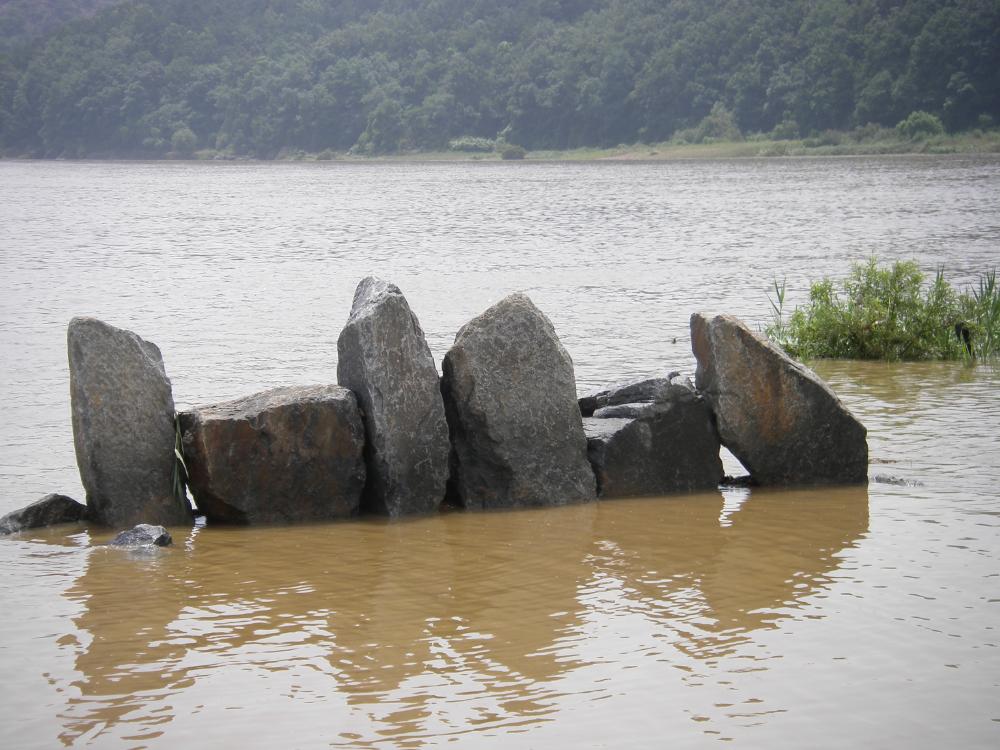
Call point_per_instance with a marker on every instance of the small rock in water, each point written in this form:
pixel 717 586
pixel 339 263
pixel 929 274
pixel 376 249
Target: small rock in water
pixel 143 535
pixel 49 511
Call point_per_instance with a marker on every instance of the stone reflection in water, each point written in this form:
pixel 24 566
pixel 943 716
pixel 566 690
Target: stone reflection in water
pixel 708 572
pixel 435 626
pixel 438 627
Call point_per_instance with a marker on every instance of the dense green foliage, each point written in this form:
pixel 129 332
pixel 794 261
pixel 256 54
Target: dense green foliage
pixel 891 313
pixel 259 77
pixel 24 21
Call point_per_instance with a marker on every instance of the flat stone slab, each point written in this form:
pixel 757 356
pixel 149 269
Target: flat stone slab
pixel 51 510
pixel 510 396
pixel 630 392
pixel 123 426
pixel 282 456
pixel 776 415
pixel 384 358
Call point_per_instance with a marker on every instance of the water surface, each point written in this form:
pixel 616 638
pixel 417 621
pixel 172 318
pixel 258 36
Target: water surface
pixel 824 617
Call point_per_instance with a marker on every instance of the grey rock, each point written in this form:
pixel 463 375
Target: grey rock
pixel 282 456
pixel 384 358
pixel 654 448
pixel 632 391
pixel 777 416
pixel 142 535
pixel 123 426
pixel 49 511
pixel 510 397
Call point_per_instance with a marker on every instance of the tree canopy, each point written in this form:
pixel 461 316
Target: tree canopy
pixel 255 77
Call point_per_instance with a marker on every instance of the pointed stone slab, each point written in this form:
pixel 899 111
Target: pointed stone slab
pixel 777 416
pixel 384 358
pixel 123 426
pixel 510 397
pixel 286 455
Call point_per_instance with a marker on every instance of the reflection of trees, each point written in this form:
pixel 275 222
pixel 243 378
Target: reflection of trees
pixel 441 625
pixel 709 583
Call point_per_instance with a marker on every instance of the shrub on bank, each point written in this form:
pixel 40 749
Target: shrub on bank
pixel 511 151
pixel 920 124
pixel 890 313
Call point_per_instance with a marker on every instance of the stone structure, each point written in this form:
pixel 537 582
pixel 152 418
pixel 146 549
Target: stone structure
pixel 510 396
pixel 777 416
pixel 282 456
pixel 123 426
pixel 384 358
pixel 664 443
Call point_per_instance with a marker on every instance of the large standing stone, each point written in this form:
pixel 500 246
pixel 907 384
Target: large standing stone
pixel 510 397
pixel 123 426
pixel 49 511
pixel 384 358
pixel 282 456
pixel 774 414
pixel 667 443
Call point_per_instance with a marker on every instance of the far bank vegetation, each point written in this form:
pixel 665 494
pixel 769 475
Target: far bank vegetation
pixel 891 312
pixel 305 79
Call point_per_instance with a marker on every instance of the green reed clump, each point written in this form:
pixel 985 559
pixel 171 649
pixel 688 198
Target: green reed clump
pixel 890 313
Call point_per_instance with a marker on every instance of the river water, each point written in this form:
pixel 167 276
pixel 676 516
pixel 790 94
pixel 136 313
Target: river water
pixel 763 618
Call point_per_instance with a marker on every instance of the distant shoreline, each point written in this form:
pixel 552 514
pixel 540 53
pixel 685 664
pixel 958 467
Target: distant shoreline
pixel 827 145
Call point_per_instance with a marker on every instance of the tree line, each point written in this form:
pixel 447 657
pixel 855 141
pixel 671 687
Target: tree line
pixel 259 77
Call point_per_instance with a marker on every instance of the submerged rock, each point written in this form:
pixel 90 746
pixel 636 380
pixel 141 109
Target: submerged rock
pixel 51 510
pixel 142 535
pixel 510 397
pixel 667 444
pixel 384 358
pixel 123 426
pixel 282 456
pixel 777 416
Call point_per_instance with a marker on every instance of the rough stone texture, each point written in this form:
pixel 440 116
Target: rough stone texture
pixel 142 535
pixel 777 416
pixel 123 426
pixel 654 447
pixel 510 397
pixel 631 392
pixel 282 456
pixel 384 358
pixel 49 511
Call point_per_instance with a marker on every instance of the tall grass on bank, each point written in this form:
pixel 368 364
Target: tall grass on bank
pixel 891 313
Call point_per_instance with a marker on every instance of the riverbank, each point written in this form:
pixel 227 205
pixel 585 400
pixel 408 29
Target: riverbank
pixel 860 142
pixel 831 143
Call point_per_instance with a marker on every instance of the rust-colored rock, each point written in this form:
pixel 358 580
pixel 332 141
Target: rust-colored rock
pixel 777 416
pixel 282 456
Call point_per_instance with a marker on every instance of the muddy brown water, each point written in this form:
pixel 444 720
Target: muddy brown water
pixel 822 617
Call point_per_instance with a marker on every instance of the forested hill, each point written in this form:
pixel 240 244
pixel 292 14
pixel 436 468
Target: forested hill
pixel 256 77
pixel 22 22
